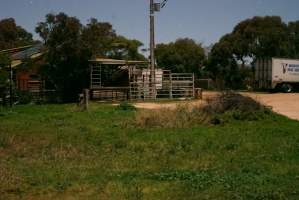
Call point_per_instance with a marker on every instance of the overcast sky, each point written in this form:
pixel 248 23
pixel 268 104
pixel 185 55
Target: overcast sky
pixel 203 20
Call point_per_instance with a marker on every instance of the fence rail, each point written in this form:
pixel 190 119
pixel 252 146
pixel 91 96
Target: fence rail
pixel 166 85
pixel 141 86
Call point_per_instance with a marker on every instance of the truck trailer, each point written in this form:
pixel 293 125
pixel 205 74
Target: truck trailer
pixel 277 74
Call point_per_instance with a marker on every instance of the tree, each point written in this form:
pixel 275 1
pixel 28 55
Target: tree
pixel 4 75
pixel 123 48
pixel 259 37
pixel 183 55
pixel 293 29
pixel 70 45
pixel 12 36
pixel 270 37
pixel 67 62
pixel 98 37
pixel 101 40
pixel 220 57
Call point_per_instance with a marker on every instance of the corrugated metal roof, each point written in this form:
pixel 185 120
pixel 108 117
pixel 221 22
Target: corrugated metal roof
pixel 15 50
pixel 108 61
pixel 28 53
pixel 15 63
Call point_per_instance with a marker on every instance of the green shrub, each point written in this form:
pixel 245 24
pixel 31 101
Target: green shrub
pixel 125 106
pixel 24 97
pixel 230 101
pixel 4 83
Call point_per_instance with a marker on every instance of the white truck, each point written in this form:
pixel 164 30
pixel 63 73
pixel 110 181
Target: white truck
pixel 277 73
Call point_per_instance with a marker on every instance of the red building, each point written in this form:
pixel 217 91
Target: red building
pixel 26 67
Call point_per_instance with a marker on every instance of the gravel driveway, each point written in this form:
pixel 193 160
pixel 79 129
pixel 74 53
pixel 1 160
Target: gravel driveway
pixel 285 104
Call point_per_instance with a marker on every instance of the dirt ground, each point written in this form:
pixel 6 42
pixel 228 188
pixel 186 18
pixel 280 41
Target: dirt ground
pixel 174 104
pixel 285 104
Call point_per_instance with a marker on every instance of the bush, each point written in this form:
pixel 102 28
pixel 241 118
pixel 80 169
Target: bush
pixel 24 97
pixel 229 105
pixel 231 101
pixel 125 106
pixel 221 109
pixel 3 85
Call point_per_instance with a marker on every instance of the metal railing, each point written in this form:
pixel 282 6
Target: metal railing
pixel 141 86
pixel 166 85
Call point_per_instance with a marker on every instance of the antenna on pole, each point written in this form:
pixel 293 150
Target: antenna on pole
pixel 163 3
pixel 154 7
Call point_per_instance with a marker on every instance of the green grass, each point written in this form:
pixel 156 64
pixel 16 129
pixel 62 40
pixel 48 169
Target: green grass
pixel 56 152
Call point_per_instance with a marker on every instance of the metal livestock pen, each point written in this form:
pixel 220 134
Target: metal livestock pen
pixel 131 80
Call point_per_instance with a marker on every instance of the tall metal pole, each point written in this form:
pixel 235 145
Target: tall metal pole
pixel 152 48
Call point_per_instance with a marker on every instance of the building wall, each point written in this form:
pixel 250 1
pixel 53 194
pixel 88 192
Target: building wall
pixel 22 78
pixel 27 80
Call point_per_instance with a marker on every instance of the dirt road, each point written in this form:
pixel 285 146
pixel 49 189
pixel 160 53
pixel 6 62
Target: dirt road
pixel 285 104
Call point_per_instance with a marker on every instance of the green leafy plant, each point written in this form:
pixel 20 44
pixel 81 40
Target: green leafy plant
pixel 125 106
pixel 24 97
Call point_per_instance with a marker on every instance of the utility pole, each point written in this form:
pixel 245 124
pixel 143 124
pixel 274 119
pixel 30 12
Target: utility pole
pixel 152 49
pixel 154 7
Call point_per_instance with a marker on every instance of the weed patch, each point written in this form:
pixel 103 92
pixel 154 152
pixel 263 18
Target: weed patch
pixel 6 140
pixel 221 109
pixel 125 106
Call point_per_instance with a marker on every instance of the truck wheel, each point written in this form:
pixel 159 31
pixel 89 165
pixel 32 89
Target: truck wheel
pixel 287 88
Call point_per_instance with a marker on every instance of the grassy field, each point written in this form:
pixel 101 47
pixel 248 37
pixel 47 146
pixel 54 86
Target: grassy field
pixel 56 152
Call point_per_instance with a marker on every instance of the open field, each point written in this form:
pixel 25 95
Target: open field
pixel 56 152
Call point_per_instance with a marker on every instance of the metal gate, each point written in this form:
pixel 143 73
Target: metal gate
pixel 167 85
